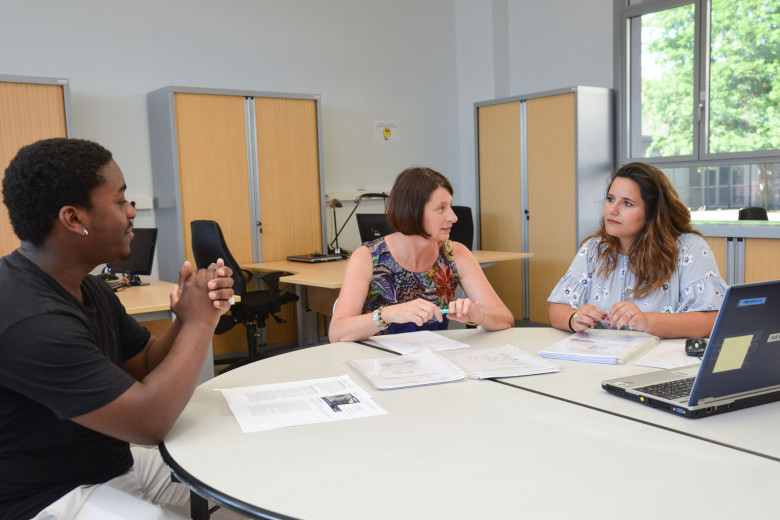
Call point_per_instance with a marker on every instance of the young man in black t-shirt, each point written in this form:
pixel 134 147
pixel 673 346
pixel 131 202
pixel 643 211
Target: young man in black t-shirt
pixel 80 379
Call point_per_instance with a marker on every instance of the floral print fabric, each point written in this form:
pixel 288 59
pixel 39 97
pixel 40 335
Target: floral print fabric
pixel 696 284
pixel 391 284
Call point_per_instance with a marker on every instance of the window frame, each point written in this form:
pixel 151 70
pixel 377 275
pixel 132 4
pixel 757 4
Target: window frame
pixel 625 52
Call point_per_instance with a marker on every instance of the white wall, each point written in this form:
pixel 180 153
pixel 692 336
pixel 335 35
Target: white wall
pixel 368 60
pixel 515 47
pixel 420 63
pixel 560 43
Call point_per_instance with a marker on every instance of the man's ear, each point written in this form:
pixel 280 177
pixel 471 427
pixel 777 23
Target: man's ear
pixel 71 218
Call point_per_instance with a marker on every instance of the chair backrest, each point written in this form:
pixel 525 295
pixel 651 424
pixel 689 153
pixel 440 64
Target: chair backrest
pixel 208 244
pixel 372 226
pixel 463 229
pixel 753 213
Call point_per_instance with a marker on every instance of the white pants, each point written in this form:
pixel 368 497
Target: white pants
pixel 145 492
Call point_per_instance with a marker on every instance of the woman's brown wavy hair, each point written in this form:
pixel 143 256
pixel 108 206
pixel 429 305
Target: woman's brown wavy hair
pixel 654 254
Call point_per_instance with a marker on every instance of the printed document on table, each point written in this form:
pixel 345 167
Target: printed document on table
pixel 279 405
pixel 668 354
pixel 506 361
pixel 414 341
pixel 423 367
pixel 427 367
pixel 599 346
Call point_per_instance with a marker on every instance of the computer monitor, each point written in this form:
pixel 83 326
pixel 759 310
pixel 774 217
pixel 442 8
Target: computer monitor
pixel 141 256
pixel 372 226
pixel 463 230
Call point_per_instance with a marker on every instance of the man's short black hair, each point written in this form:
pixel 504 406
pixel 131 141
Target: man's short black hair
pixel 47 175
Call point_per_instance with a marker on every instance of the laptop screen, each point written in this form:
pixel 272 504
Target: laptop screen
pixel 743 353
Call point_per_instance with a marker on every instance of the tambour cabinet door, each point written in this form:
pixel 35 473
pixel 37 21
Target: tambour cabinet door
pixel 214 179
pixel 288 160
pixel 761 259
pixel 551 196
pixel 213 171
pixel 288 169
pixel 718 246
pixel 28 112
pixel 500 197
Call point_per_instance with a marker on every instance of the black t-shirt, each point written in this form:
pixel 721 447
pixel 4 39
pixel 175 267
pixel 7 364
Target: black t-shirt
pixel 58 359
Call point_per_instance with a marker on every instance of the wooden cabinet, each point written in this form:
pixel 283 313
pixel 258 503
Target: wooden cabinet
pixel 544 161
pixel 746 252
pixel 248 160
pixel 761 259
pixel 718 246
pixel 30 109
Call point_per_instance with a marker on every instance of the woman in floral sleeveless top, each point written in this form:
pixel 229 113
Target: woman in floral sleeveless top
pixel 401 282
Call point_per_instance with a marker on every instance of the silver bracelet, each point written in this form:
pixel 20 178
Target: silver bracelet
pixel 378 321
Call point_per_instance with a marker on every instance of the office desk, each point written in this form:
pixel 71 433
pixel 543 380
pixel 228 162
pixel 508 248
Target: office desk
pixel 473 449
pixel 328 276
pixel 148 302
pixel 153 302
pixel 488 258
pixel 755 429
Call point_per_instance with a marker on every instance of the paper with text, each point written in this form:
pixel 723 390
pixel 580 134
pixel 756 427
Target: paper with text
pixel 414 341
pixel 668 354
pixel 423 367
pixel 427 367
pixel 506 361
pixel 279 405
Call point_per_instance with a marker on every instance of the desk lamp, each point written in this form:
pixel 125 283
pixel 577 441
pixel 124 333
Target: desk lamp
pixel 336 203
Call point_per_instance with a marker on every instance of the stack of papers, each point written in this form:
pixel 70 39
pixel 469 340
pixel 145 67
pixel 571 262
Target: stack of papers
pixel 610 347
pixel 426 367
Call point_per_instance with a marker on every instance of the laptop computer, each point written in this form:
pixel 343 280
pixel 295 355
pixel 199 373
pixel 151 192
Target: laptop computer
pixel 740 366
pixel 314 258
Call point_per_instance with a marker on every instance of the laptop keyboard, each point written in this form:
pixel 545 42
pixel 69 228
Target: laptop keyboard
pixel 670 390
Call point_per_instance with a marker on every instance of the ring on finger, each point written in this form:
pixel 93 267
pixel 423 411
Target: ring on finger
pixel 631 313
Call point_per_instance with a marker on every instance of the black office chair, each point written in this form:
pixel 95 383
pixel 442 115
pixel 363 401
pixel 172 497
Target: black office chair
pixel 372 226
pixel 753 213
pixel 463 229
pixel 208 244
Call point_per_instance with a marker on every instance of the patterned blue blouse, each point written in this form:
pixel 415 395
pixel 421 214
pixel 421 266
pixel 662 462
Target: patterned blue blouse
pixel 696 284
pixel 391 284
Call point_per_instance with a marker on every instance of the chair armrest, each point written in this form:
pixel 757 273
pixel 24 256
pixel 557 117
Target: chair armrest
pixel 271 279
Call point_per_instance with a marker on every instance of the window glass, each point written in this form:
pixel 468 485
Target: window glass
pixel 700 99
pixel 744 110
pixel 719 192
pixel 665 83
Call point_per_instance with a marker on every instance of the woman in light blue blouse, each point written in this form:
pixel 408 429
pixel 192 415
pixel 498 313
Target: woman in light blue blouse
pixel 646 268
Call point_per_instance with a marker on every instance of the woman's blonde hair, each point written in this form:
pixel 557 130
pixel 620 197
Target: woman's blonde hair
pixel 654 254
